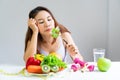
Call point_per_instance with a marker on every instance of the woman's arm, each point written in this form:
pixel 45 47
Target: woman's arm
pixel 31 47
pixel 71 47
pixel 32 43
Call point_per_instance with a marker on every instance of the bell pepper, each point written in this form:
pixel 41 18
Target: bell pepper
pixel 32 61
pixel 39 57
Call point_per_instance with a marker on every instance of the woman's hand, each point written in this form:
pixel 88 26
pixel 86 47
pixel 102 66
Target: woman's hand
pixel 32 24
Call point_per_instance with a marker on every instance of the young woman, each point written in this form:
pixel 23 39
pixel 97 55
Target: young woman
pixel 39 39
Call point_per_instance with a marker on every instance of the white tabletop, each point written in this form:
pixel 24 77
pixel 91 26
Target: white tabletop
pixel 111 74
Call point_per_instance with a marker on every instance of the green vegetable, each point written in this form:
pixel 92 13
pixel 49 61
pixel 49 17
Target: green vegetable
pixel 52 60
pixel 55 32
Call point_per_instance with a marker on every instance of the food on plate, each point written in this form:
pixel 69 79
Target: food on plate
pixel 45 68
pixel 49 63
pixel 52 60
pixel 34 69
pixel 103 64
pixel 32 61
pixel 39 57
pixel 55 68
pixel 57 55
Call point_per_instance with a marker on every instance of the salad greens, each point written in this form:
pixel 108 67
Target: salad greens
pixel 52 60
pixel 55 32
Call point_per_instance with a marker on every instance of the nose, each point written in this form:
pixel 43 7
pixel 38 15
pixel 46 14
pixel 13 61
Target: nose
pixel 47 23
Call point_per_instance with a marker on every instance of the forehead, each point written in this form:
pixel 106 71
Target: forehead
pixel 42 15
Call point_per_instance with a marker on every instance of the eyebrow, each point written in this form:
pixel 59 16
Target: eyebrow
pixel 42 19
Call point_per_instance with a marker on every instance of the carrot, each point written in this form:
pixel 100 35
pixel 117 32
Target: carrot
pixel 60 69
pixel 34 69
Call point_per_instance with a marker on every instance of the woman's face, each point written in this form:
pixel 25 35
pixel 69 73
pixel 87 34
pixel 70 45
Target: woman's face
pixel 45 22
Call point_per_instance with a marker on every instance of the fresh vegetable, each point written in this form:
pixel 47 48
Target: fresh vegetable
pixel 46 63
pixel 60 69
pixel 32 61
pixel 55 32
pixel 39 57
pixel 57 55
pixel 45 68
pixel 34 69
pixel 52 60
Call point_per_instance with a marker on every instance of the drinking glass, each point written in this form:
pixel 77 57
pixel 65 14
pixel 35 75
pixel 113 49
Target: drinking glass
pixel 98 53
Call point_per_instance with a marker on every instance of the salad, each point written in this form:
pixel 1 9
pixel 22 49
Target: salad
pixel 41 64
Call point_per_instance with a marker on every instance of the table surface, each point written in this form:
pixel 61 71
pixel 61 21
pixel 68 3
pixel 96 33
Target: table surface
pixel 112 73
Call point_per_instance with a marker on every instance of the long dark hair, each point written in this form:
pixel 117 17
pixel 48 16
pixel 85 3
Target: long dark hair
pixel 32 14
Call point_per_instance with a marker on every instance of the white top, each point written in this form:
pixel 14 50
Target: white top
pixel 65 56
pixel 60 51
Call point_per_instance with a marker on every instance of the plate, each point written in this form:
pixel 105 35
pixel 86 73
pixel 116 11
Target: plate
pixel 41 75
pixel 45 75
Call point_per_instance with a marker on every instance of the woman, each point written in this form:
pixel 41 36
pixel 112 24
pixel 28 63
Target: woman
pixel 39 39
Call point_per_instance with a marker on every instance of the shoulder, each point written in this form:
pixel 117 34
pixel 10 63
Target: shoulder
pixel 65 34
pixel 67 37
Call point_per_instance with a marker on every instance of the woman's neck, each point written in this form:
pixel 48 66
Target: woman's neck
pixel 48 39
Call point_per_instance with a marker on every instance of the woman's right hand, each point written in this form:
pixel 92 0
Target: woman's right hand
pixel 32 24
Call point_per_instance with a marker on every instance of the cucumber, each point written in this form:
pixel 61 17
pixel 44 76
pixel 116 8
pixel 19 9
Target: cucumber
pixel 45 68
pixel 55 68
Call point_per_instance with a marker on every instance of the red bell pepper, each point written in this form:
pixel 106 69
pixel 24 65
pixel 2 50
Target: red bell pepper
pixel 32 61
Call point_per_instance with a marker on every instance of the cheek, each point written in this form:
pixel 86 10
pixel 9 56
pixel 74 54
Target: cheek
pixel 53 23
pixel 41 29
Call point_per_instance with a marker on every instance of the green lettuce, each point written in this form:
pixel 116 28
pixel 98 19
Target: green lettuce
pixel 52 60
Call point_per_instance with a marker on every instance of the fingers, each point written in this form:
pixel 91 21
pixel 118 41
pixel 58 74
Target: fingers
pixel 31 22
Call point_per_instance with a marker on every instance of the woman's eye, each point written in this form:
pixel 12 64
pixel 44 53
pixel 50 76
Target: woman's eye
pixel 41 22
pixel 49 19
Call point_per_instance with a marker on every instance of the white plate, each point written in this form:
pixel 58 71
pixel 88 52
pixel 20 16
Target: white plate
pixel 41 75
pixel 44 75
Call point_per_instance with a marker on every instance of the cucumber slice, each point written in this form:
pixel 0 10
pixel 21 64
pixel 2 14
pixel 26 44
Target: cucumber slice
pixel 55 68
pixel 45 68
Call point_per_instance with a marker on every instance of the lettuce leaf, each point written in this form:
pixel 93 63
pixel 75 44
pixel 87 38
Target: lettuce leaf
pixel 52 60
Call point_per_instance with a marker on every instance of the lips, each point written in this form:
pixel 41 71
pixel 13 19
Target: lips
pixel 49 29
